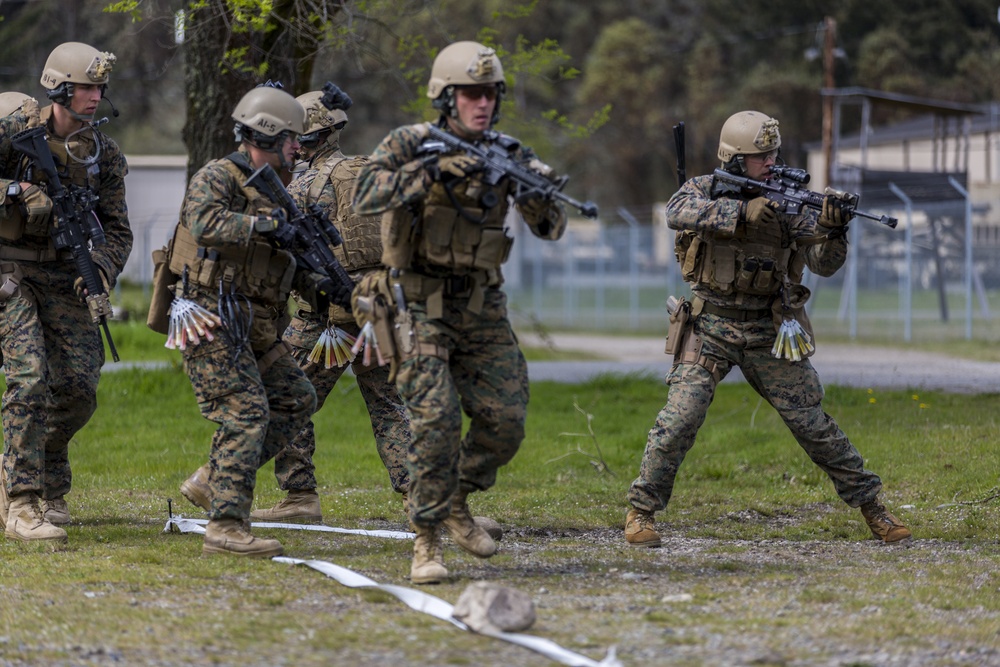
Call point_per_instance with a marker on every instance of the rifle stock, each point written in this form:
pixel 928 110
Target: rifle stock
pixel 75 225
pixel 498 164
pixel 790 196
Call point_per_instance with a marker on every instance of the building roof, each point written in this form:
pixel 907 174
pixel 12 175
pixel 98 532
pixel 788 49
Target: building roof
pixel 982 118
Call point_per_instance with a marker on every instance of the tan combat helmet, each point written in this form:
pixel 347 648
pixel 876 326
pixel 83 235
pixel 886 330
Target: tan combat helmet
pixel 11 102
pixel 75 62
pixel 321 123
pixel 747 133
pixel 71 63
pixel 464 64
pixel 264 115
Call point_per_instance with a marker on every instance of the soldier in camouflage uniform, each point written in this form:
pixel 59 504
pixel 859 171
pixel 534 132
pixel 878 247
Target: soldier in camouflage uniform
pixel 328 180
pixel 744 263
pixel 224 251
pixel 52 349
pixel 444 242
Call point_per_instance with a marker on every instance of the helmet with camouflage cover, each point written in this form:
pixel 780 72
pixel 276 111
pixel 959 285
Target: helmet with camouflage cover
pixel 72 63
pixel 747 133
pixel 464 64
pixel 11 102
pixel 321 123
pixel 265 115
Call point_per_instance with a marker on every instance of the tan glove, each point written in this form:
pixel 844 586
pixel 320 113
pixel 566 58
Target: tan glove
pixel 835 213
pixel 454 166
pixel 533 207
pixel 759 211
pixel 37 205
pixel 80 287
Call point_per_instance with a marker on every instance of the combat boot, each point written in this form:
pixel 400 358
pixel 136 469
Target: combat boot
pixel 26 521
pixel 56 511
pixel 428 562
pixel 298 505
pixel 195 488
pixel 883 525
pixel 464 530
pixel 232 536
pixel 640 529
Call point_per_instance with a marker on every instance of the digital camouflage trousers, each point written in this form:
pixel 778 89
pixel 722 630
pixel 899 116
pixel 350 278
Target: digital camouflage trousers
pixel 52 357
pixel 293 465
pixel 257 413
pixel 792 388
pixel 479 369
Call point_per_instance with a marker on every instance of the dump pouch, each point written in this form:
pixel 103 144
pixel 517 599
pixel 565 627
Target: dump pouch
pixel 158 318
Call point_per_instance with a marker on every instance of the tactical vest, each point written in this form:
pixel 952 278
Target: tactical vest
pixel 756 260
pixel 257 270
pixel 81 170
pixel 362 248
pixel 453 232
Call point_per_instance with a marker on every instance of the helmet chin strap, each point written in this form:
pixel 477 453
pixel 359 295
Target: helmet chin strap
pixel 83 118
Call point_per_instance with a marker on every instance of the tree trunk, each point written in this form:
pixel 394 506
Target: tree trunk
pixel 215 82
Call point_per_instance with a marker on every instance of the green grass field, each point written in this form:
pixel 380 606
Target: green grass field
pixel 776 567
pixel 125 592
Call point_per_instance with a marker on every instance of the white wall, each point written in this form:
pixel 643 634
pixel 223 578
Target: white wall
pixel 154 188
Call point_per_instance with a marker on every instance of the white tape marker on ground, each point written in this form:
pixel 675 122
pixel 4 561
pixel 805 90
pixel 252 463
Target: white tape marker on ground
pixel 198 526
pixel 414 599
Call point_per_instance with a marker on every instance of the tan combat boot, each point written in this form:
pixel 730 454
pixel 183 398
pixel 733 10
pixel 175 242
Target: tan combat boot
pixel 883 525
pixel 56 511
pixel 232 536
pixel 428 563
pixel 298 505
pixel 195 488
pixel 464 530
pixel 640 529
pixel 26 522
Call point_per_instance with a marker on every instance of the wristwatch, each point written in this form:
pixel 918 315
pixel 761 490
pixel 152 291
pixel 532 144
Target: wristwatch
pixel 14 189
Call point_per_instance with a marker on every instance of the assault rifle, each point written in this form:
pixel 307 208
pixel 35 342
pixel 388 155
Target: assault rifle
pixel 497 164
pixel 310 235
pixel 75 224
pixel 784 187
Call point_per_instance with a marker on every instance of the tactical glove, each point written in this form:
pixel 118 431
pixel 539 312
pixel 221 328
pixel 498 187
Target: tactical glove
pixel 759 211
pixel 275 229
pixel 37 205
pixel 452 167
pixel 835 214
pixel 532 205
pixel 80 287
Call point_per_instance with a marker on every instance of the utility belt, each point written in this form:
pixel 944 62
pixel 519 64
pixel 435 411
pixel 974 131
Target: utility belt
pixel 50 254
pixel 433 290
pixel 737 314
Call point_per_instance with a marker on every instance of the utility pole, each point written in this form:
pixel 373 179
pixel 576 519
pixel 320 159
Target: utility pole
pixel 829 43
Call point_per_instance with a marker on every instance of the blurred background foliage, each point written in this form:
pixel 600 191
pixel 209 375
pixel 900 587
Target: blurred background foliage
pixel 594 86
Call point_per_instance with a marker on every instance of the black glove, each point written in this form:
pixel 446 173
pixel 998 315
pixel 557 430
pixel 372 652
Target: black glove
pixel 276 229
pixel 453 167
pixel 340 295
